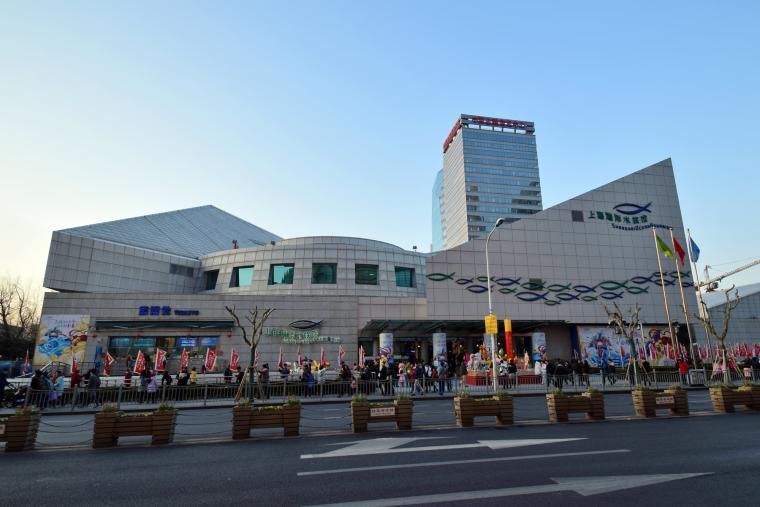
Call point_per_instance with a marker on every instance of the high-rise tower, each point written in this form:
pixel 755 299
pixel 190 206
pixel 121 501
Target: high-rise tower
pixel 490 171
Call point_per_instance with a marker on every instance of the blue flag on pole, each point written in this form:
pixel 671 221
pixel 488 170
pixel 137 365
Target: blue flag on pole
pixel 694 250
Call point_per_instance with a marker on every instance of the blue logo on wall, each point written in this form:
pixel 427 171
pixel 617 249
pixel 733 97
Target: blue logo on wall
pixel 154 311
pixel 628 208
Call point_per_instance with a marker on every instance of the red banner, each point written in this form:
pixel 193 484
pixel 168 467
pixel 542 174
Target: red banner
pixel 139 362
pixel 322 363
pixel 299 356
pixel 185 358
pixel 280 364
pixel 160 360
pixel 210 359
pixel 508 339
pixel 107 366
pixel 234 358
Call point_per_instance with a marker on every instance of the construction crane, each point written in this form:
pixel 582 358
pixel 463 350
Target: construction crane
pixel 712 283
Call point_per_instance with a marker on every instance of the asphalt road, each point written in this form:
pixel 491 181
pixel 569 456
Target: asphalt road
pixel 76 429
pixel 617 462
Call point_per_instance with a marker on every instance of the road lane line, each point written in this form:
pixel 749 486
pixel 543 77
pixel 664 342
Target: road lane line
pixel 458 462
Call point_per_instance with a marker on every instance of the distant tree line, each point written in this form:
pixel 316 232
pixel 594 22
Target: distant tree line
pixel 19 318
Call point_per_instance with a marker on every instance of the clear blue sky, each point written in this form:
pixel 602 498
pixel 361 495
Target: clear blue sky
pixel 311 118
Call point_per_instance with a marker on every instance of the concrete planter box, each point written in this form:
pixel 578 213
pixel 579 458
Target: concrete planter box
pixel 20 433
pixel 109 426
pixel 399 411
pixel 467 409
pixel 245 418
pixel 647 402
pixel 560 405
pixel 724 399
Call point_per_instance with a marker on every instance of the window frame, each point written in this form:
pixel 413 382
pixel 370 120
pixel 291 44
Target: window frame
pixel 412 278
pixel 235 276
pixel 272 267
pixel 358 266
pixel 333 265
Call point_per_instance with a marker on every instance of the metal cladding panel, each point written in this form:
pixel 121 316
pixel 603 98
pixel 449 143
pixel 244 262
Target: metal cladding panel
pixel 191 232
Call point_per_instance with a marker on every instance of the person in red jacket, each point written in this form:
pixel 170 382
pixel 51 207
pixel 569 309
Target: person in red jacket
pixel 683 369
pixel 127 378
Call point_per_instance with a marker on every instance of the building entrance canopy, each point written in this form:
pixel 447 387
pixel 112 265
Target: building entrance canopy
pixel 459 328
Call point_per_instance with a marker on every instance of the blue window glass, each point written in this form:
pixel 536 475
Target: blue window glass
pixel 281 274
pixel 404 277
pixel 366 274
pixel 324 272
pixel 242 276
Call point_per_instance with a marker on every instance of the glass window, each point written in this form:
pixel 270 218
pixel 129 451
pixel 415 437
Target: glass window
pixel 209 279
pixel 324 272
pixel 366 274
pixel 176 269
pixel 577 215
pixel 404 277
pixel 281 274
pixel 242 276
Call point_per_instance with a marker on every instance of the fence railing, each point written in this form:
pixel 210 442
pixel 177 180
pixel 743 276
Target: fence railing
pixel 221 393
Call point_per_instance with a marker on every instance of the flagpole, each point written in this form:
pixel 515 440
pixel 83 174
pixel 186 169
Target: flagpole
pixel 662 284
pixel 702 307
pixel 683 299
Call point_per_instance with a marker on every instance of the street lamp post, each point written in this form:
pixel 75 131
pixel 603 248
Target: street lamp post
pixel 494 373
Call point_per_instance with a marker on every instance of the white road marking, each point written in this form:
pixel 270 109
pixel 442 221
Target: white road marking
pixel 459 462
pixel 585 486
pixel 391 446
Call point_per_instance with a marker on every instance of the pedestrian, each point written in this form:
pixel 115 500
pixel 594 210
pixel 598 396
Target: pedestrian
pixel 193 376
pixel 442 375
pixel 166 379
pixel 227 375
pixel 56 395
pixel 512 372
pixel 401 376
pixel 240 375
pixel 93 384
pixel 264 381
pixel 151 387
pixel 683 370
pixel 127 379
pixel 419 379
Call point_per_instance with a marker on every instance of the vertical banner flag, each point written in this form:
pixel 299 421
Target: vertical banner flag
pixel 184 359
pixel 679 250
pixel 341 353
pixel 26 363
pixel 256 358
pixel 508 338
pixel 140 362
pixel 322 362
pixel 210 359
pixel 299 357
pixel 160 360
pixel 109 361
pixel 694 250
pixel 234 358
pixel 361 356
pixel 280 364
pixel 662 247
pixel 74 364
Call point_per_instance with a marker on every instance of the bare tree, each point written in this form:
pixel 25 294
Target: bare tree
pixel 626 328
pixel 720 337
pixel 19 317
pixel 256 319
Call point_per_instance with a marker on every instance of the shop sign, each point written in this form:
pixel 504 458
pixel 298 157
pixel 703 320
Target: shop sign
pixel 300 337
pixel 665 400
pixel 492 326
pixel 188 342
pixel 382 411
pixel 158 310
pixel 627 216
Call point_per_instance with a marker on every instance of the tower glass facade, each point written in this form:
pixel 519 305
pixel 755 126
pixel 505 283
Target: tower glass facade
pixel 490 171
pixel 437 242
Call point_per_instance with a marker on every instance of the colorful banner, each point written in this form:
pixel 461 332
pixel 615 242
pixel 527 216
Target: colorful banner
pixel 61 338
pixel 599 344
pixel 386 344
pixel 234 358
pixel 659 346
pixel 439 345
pixel 539 346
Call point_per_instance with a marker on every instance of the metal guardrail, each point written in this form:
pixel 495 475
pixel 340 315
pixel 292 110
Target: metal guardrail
pixel 220 393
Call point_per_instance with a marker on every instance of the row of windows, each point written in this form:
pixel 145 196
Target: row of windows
pixel 513 138
pixel 500 199
pixel 501 146
pixel 501 153
pixel 503 163
pixel 502 209
pixel 321 273
pixel 500 190
pixel 501 172
pixel 485 217
pixel 176 269
pixel 501 181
